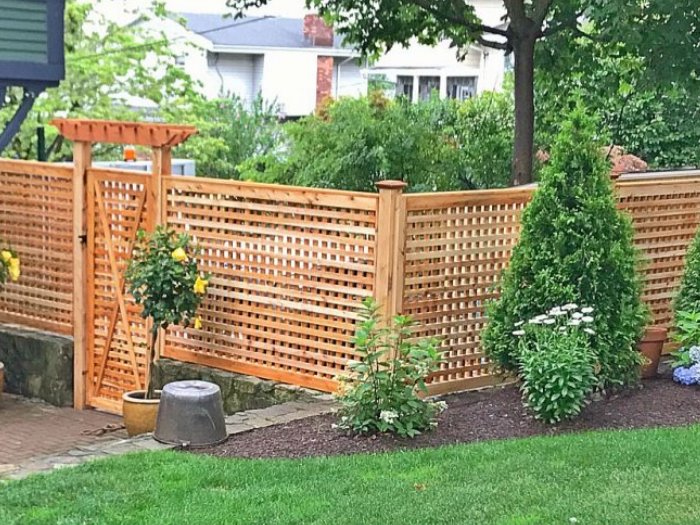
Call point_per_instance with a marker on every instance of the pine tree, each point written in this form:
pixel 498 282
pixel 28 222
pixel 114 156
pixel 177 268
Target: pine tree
pixel 575 247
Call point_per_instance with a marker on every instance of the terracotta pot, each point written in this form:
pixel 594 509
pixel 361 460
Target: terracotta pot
pixel 140 414
pixel 651 346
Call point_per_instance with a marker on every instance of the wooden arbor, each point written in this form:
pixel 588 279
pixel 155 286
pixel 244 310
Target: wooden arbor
pixel 101 314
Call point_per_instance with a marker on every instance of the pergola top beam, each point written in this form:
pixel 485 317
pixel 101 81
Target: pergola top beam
pixel 116 132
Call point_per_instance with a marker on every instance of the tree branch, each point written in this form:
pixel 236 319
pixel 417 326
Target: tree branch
pixel 540 10
pixel 503 46
pixel 452 17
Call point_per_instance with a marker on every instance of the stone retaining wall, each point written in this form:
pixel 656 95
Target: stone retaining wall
pixel 37 364
pixel 239 392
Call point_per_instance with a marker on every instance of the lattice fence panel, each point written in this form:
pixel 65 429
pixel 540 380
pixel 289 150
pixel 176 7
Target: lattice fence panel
pixel 456 247
pixel 36 219
pixel 289 267
pixel 665 214
pixel 118 206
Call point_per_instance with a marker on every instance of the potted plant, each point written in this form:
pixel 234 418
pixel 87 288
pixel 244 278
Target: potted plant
pixel 9 269
pixel 651 346
pixel 164 280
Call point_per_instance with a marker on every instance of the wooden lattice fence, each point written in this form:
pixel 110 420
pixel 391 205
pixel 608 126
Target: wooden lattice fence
pixel 290 266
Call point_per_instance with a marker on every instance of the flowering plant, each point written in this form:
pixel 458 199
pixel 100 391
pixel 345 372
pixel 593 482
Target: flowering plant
pixel 381 393
pixel 686 360
pixel 164 279
pixel 557 365
pixel 9 266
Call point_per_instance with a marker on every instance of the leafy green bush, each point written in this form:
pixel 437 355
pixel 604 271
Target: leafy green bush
pixel 381 394
pixel 688 298
pixel 433 145
pixel 557 365
pixel 230 132
pixel 164 280
pixel 575 247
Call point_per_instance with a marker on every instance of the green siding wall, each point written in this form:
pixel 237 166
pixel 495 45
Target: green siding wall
pixel 23 30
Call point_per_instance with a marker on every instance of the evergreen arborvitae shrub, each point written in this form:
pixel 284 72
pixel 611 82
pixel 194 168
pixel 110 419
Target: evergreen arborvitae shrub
pixel 688 298
pixel 575 247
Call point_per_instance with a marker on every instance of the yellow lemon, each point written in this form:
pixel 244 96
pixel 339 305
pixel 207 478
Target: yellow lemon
pixel 198 323
pixel 200 286
pixel 6 255
pixel 179 255
pixel 13 269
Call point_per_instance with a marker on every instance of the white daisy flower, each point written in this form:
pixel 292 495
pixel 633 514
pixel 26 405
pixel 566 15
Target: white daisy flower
pixel 577 315
pixel 519 333
pixel 549 321
pixel 574 322
pixel 562 328
pixel 587 319
pixel 534 321
pixel 587 310
pixel 570 306
pixel 589 331
pixel 519 323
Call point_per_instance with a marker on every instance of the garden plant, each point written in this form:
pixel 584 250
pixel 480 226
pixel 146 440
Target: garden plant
pixel 165 281
pixel 382 391
pixel 575 247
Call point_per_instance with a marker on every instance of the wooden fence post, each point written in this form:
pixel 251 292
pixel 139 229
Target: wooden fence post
pixel 391 217
pixel 161 164
pixel 82 160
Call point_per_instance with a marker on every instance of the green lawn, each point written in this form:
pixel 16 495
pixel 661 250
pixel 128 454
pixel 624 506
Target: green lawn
pixel 616 478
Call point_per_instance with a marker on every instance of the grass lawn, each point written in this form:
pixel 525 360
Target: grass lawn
pixel 616 478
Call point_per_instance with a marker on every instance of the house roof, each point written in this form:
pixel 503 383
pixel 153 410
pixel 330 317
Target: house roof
pixel 264 31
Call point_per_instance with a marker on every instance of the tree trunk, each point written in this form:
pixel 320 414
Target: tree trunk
pixel 524 51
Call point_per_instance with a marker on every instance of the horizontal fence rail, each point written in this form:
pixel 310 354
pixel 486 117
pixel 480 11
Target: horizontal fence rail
pixel 36 220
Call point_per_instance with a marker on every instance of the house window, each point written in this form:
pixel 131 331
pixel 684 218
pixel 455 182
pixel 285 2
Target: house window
pixel 427 85
pixel 461 88
pixel 404 87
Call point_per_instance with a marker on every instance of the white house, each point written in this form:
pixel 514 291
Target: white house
pixel 417 70
pixel 297 62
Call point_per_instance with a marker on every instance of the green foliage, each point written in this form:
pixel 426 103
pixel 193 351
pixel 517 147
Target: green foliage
pixel 163 278
pixel 556 363
pixel 9 265
pixel 230 132
pixel 107 64
pixel 688 298
pixel 435 145
pixel 575 247
pixel 687 335
pixel 646 114
pixel 382 392
pixel 485 134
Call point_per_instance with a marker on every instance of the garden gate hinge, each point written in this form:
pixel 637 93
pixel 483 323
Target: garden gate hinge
pixel 83 238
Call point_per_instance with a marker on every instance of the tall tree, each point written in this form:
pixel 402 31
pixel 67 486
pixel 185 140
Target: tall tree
pixel 665 34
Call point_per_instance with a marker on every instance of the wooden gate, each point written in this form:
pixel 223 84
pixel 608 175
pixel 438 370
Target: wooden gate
pixel 118 205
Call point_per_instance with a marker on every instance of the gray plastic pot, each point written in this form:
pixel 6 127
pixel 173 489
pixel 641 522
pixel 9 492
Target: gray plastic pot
pixel 191 414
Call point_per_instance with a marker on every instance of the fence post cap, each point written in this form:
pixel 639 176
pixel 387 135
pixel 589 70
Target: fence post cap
pixel 390 185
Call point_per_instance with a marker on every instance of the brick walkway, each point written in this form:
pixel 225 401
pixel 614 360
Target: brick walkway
pixel 30 429
pixel 44 438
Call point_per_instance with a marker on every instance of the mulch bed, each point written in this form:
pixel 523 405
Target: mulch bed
pixel 473 416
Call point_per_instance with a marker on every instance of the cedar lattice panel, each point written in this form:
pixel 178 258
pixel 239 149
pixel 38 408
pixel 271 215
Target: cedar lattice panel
pixel 117 208
pixel 665 214
pixel 289 267
pixel 455 252
pixel 36 219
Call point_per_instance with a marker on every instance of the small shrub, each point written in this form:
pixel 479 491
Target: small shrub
pixel 164 280
pixel 381 394
pixel 575 247
pixel 687 335
pixel 557 364
pixel 688 298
